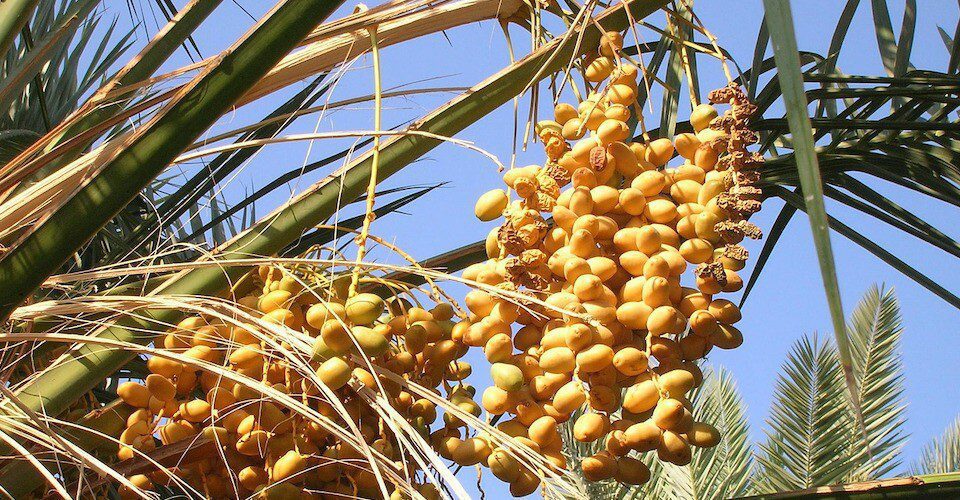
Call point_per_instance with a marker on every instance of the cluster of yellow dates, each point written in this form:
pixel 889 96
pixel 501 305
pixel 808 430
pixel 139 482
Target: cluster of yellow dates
pixel 620 324
pixel 271 451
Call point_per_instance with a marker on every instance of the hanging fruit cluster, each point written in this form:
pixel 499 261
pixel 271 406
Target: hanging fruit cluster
pixel 626 275
pixel 270 450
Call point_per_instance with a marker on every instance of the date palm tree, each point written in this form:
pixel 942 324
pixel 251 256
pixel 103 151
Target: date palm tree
pixel 89 191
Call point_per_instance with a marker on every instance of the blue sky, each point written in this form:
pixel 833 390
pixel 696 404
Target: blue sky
pixel 787 302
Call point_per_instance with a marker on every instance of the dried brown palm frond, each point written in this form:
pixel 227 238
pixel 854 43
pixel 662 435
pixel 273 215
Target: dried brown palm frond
pixel 330 44
pixel 334 43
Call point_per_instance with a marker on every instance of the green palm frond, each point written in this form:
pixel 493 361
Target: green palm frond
pixel 12 142
pixel 810 425
pixel 725 470
pixel 942 455
pixel 76 61
pixel 874 331
pixel 898 128
pixel 909 146
pixel 813 439
pixel 779 20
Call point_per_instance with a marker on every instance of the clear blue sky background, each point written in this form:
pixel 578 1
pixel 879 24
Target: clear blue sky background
pixel 788 301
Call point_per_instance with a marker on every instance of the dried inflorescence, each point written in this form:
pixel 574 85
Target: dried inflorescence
pixel 742 198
